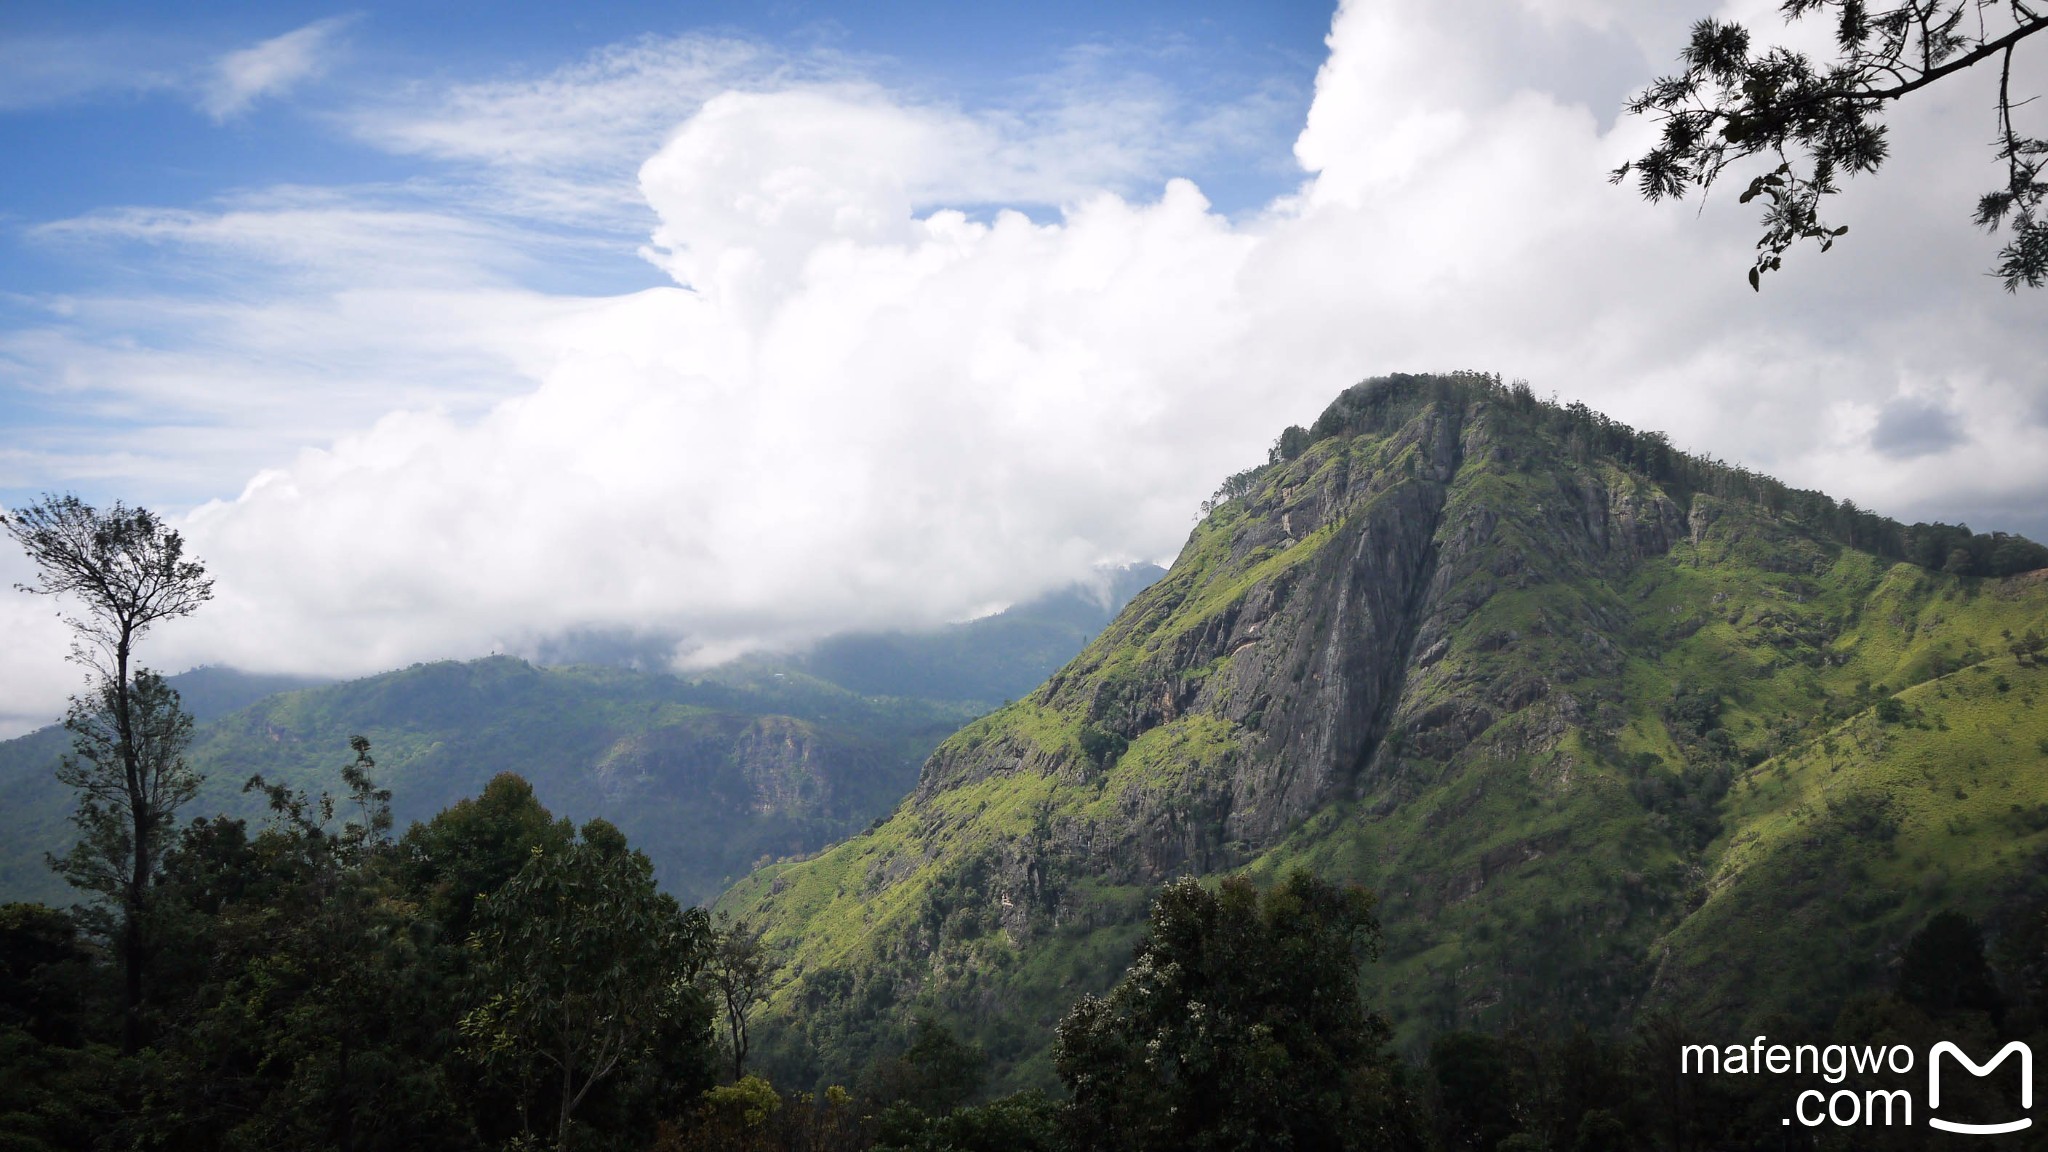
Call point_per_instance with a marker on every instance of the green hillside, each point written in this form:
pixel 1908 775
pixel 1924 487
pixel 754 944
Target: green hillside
pixel 711 775
pixel 1605 724
pixel 33 808
pixel 708 775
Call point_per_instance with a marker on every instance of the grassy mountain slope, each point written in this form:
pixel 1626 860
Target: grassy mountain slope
pixel 1840 845
pixel 1575 704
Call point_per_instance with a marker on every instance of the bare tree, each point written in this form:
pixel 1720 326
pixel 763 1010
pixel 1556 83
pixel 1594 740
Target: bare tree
pixel 124 571
pixel 1824 121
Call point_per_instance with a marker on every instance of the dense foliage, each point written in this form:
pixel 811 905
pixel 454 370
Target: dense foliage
pixel 1239 1026
pixel 496 978
pixel 1538 1083
pixel 584 974
pixel 317 983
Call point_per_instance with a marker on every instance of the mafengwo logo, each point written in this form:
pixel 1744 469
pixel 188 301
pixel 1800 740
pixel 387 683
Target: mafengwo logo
pixel 1852 1107
pixel 2026 1063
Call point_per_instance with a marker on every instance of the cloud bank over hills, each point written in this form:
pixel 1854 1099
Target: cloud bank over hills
pixel 915 360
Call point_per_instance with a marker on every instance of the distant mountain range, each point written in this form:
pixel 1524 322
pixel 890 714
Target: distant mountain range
pixel 993 659
pixel 1607 726
pixel 711 774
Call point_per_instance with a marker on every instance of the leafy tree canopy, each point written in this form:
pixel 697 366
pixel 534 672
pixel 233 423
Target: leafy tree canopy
pixel 585 970
pixel 1943 968
pixel 1240 1025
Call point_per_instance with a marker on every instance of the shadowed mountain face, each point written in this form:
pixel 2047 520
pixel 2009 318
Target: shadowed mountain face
pixel 1604 724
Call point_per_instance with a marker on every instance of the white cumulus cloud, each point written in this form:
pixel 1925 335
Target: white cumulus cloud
pixel 867 397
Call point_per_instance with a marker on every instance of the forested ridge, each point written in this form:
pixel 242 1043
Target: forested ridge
pixel 771 756
pixel 1585 435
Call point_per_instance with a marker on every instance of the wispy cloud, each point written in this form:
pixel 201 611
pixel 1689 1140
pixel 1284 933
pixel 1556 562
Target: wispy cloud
pixel 46 71
pixel 276 66
pixel 616 102
pixel 53 71
pixel 566 146
pixel 563 146
pixel 358 236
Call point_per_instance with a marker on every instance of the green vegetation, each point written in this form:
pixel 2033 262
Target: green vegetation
pixel 580 969
pixel 1822 120
pixel 1580 436
pixel 122 572
pixel 496 978
pixel 489 977
pixel 1582 709
pixel 1238 1026
pixel 709 775
pixel 1633 748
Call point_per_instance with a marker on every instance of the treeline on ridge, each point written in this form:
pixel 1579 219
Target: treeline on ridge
pixel 1382 403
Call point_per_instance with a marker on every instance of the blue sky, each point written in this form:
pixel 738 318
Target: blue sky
pixel 121 108
pixel 109 106
pixel 721 327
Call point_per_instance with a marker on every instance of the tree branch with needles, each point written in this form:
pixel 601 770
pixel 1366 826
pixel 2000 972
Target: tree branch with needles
pixel 1823 122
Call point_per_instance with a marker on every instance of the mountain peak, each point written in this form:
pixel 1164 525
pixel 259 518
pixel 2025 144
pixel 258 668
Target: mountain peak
pixel 1527 671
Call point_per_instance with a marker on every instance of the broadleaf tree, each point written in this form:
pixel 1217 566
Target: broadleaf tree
pixel 581 966
pixel 738 971
pixel 300 993
pixel 1240 1025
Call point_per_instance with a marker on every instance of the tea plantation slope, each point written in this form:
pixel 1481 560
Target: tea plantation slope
pixel 1528 674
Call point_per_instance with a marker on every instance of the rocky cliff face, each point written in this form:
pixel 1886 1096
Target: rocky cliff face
pixel 1467 648
pixel 765 766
